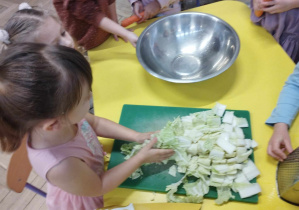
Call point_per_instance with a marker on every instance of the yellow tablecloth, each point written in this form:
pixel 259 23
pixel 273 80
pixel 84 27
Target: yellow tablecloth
pixel 252 83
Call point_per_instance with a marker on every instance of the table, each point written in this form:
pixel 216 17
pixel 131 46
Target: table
pixel 252 83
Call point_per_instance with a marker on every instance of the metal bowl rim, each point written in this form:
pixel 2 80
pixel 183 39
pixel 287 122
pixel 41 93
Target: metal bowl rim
pixel 149 70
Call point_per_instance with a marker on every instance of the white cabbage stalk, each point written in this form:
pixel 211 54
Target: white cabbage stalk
pixel 192 149
pixel 240 122
pixel 249 190
pixel 172 170
pixel 226 146
pixel 227 127
pixel 254 144
pixel 211 149
pixel 219 109
pixel 250 170
pixel 228 117
pixel 216 153
pixel 239 133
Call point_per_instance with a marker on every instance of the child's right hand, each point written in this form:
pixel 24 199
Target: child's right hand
pixel 280 142
pixel 150 155
pixel 131 37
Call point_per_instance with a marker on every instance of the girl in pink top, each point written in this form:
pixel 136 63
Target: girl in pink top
pixel 45 92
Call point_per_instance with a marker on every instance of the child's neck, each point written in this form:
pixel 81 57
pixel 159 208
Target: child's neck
pixel 41 139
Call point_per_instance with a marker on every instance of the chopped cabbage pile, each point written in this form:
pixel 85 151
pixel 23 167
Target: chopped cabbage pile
pixel 210 146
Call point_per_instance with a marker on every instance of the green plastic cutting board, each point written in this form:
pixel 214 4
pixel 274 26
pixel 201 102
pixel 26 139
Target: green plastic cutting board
pixel 155 176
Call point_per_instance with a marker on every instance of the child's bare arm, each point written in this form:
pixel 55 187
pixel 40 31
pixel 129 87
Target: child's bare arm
pixel 111 179
pixel 74 176
pixel 112 27
pixel 109 129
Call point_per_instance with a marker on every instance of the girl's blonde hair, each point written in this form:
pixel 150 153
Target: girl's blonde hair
pixel 38 82
pixel 23 25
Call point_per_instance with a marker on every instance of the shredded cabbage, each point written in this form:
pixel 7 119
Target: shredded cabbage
pixel 212 149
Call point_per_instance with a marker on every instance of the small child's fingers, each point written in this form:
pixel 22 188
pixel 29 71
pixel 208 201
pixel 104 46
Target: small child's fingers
pixel 115 37
pixel 270 152
pixel 266 4
pixel 164 157
pixel 279 153
pixel 144 18
pixel 161 154
pixel 274 156
pixel 288 147
pixel 141 20
pixel 134 44
pixel 167 156
pixel 151 143
pixel 138 15
pixel 165 152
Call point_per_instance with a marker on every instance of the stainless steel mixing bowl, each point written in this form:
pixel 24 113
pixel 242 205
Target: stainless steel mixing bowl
pixel 187 47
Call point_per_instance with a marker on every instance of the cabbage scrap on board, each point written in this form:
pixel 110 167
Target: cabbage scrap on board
pixel 210 146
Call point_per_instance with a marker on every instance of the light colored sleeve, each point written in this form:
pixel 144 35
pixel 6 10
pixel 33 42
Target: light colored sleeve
pixel 132 1
pixel 165 3
pixel 288 102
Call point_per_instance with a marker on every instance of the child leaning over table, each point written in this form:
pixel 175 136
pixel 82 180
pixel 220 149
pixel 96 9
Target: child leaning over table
pixel 280 18
pixel 34 25
pixel 154 8
pixel 282 117
pixel 62 143
pixel 90 22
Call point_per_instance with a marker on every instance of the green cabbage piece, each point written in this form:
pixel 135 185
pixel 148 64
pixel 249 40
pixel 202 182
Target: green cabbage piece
pixel 224 194
pixel 194 138
pixel 192 196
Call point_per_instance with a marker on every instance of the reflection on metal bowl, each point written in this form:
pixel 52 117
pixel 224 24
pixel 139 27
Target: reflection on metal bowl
pixel 187 47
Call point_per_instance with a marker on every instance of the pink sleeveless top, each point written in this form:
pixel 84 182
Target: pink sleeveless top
pixel 84 146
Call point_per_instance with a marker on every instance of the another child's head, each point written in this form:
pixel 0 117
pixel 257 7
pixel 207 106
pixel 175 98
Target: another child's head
pixel 31 25
pixel 40 82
